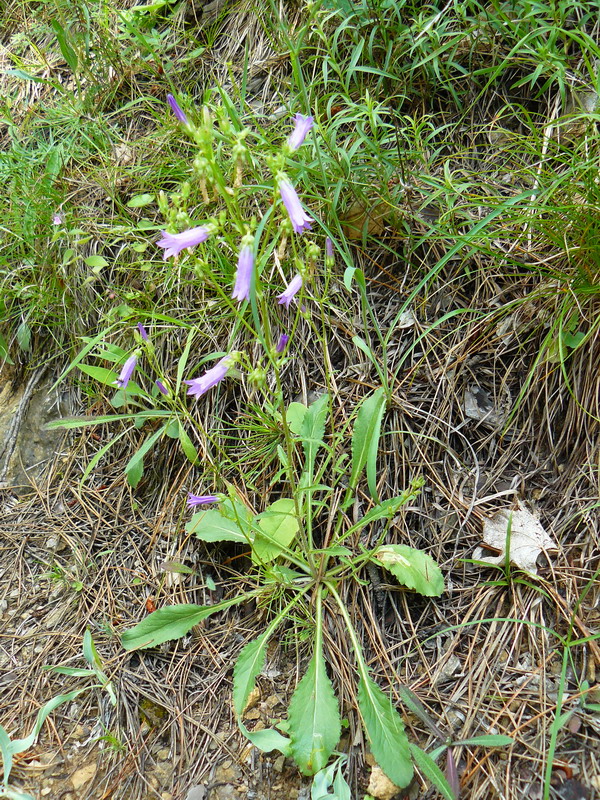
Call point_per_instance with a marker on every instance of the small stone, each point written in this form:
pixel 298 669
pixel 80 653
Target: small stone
pixel 163 755
pixel 278 763
pixel 46 791
pixel 253 698
pixel 380 785
pixel 83 775
pixel 253 714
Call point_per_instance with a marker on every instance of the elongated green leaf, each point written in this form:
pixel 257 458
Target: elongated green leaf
pixel 313 430
pixel 249 665
pixel 267 740
pixel 135 466
pixel 412 567
pixel 488 740
pixel 385 730
pixel 172 622
pixel 431 771
pixel 387 509
pixel 314 719
pixel 365 439
pixel 187 445
pixel 69 55
pixel 212 526
pixel 20 745
pixel 6 753
pixel 140 200
pixel 4 356
pixel 278 526
pixel 85 422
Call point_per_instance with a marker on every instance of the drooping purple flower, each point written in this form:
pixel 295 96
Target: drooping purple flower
pixel 282 343
pixel 293 287
pixel 243 276
pixel 176 109
pixel 198 386
pixel 174 243
pixel 299 218
pixel 57 219
pixel 143 331
pixel 126 372
pixel 161 387
pixel 201 499
pixel 302 125
pixel 328 248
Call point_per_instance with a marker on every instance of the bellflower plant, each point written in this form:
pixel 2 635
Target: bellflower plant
pixel 201 500
pixel 177 110
pixel 174 243
pixel 198 386
pixel 294 286
pixel 302 126
pixel 299 218
pixel 243 276
pixel 142 331
pixel 282 343
pixel 126 372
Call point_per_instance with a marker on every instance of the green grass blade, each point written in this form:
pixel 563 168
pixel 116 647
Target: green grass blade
pixel 432 772
pixel 365 439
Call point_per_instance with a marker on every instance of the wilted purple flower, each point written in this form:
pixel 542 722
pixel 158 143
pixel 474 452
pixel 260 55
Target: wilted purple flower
pixel 143 331
pixel 201 500
pixel 198 386
pixel 161 387
pixel 293 287
pixel 57 219
pixel 328 248
pixel 126 372
pixel 302 125
pixel 300 220
pixel 174 243
pixel 176 109
pixel 281 344
pixel 243 276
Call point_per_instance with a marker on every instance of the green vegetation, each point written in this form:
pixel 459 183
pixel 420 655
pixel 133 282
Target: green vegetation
pixel 256 312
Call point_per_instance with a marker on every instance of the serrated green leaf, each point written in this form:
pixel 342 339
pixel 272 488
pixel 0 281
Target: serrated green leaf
pixel 278 526
pixel 365 438
pixel 312 430
pixel 314 719
pixel 412 567
pixel 212 526
pixel 294 415
pixel 385 730
pixel 267 740
pixel 140 200
pixel 431 771
pixel 250 663
pixel 171 622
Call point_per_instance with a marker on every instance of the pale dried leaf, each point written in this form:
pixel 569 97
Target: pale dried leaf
pixel 527 539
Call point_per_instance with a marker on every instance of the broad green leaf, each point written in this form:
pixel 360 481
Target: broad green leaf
pixel 431 771
pixel 249 664
pixel 140 200
pixel 96 262
pixel 109 378
pixel 187 445
pixel 278 527
pixel 488 740
pixel 365 439
pixel 24 336
pixel 313 718
pixel 267 740
pixel 412 567
pixel 385 730
pixel 313 430
pixel 172 429
pixel 212 526
pixel 295 414
pixel 172 622
pixel 135 466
